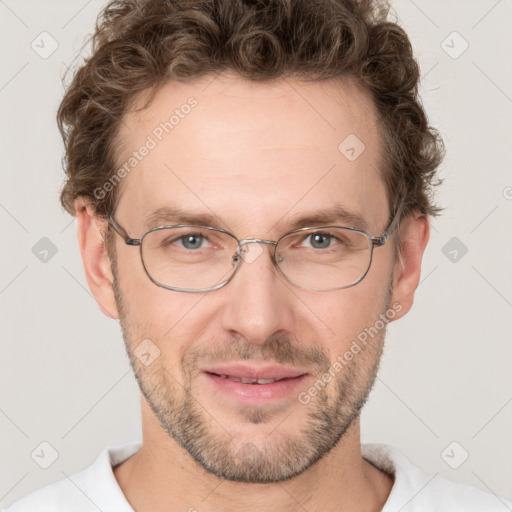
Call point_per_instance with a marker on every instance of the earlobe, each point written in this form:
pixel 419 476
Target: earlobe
pixel 95 259
pixel 414 235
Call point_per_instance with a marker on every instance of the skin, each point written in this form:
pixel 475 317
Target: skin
pixel 257 155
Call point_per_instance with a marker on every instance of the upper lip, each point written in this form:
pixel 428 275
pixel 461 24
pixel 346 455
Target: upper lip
pixel 246 371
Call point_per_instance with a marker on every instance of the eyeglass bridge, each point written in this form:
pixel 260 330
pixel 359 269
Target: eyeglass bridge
pixel 251 240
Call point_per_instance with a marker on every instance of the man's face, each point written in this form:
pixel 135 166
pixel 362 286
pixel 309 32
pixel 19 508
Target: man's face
pixel 254 156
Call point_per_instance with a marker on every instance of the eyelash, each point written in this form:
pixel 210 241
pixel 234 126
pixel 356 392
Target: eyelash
pixel 207 239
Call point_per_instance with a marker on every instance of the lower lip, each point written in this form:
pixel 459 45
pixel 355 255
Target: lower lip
pixel 256 393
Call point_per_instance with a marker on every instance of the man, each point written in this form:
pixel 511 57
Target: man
pixel 252 184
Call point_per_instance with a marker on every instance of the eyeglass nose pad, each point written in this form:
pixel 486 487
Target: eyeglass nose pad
pixel 252 255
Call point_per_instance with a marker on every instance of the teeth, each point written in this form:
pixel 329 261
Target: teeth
pixel 266 381
pixel 248 381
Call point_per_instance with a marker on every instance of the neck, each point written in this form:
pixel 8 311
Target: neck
pixel 163 476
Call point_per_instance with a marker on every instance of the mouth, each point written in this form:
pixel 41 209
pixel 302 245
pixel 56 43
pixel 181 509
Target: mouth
pixel 245 380
pixel 255 385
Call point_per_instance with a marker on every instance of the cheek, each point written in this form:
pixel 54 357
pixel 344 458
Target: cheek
pixel 152 311
pixel 346 313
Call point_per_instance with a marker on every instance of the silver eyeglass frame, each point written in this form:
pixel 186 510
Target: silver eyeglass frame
pixel 375 241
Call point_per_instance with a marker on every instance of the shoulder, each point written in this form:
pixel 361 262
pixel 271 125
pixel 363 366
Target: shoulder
pixel 92 489
pixel 52 497
pixel 415 490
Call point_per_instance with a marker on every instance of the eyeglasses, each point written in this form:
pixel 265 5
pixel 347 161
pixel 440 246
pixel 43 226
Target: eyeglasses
pixel 195 259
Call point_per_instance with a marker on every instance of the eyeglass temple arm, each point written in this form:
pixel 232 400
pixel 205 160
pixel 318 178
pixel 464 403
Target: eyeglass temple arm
pixel 122 233
pixel 381 240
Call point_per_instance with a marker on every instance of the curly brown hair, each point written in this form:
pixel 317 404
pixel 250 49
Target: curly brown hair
pixel 140 45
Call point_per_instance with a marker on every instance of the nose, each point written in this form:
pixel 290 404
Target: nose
pixel 257 302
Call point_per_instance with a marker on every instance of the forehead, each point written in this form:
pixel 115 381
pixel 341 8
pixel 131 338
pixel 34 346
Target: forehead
pixel 251 152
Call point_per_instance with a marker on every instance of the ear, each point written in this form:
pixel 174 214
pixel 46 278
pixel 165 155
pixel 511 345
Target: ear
pixel 96 262
pixel 414 235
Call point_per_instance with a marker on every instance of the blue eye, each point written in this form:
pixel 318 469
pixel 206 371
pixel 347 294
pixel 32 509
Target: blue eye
pixel 191 241
pixel 320 240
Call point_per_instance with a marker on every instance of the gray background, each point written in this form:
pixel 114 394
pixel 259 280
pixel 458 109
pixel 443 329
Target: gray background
pixel 445 375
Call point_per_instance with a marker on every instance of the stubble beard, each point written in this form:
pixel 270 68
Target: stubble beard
pixel 276 457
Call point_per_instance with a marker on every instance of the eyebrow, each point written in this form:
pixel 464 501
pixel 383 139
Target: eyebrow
pixel 174 215
pixel 334 215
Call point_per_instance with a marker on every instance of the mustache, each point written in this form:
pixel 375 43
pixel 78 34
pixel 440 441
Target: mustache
pixel 280 349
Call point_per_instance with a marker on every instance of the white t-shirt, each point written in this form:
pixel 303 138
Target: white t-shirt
pixel 96 488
